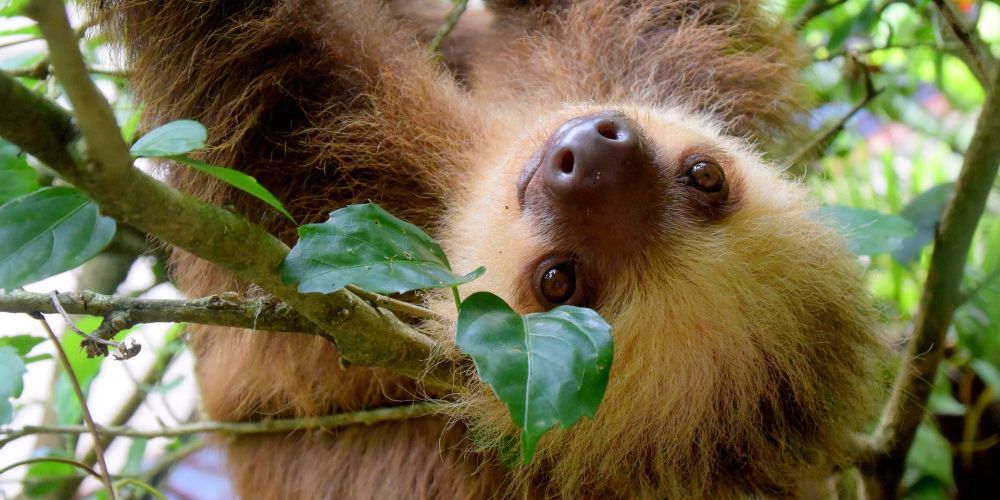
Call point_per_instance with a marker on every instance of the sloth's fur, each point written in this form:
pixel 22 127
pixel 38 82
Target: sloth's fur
pixel 744 345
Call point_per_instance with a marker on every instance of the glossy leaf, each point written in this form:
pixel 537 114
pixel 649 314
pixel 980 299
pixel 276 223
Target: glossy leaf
pixel 17 178
pixel 175 138
pixel 550 368
pixel 238 180
pixel 368 247
pixel 924 212
pixel 867 231
pixel 11 380
pixel 47 232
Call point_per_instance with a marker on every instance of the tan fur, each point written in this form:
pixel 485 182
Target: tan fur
pixel 744 346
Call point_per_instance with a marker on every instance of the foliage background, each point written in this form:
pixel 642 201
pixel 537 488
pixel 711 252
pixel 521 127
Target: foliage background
pixel 896 156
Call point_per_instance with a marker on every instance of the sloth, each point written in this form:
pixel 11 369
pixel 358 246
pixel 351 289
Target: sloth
pixel 610 154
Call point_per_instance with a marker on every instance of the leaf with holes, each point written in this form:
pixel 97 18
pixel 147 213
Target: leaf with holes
pixel 365 246
pixel 47 232
pixel 549 368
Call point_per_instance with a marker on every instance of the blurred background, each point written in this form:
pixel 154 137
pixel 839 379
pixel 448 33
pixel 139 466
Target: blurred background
pixel 895 106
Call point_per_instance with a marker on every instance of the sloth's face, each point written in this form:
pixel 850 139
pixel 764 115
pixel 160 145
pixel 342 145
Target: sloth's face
pixel 622 209
pixel 737 317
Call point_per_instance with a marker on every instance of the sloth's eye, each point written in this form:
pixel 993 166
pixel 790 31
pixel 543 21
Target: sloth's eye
pixel 557 283
pixel 706 176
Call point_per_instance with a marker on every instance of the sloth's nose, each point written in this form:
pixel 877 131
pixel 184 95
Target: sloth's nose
pixel 599 177
pixel 595 160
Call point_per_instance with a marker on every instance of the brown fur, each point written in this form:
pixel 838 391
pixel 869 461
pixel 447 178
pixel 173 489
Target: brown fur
pixel 743 380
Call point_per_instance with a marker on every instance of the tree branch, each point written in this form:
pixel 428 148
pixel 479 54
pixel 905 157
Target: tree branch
pixel 813 10
pixel 229 309
pixel 886 455
pixel 366 417
pixel 975 53
pixel 818 142
pixel 365 335
pixel 124 312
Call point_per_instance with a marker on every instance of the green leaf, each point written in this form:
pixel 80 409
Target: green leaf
pixel 47 232
pixel 17 178
pixel 175 138
pixel 44 478
pixel 11 381
pixel 23 344
pixel 549 368
pixel 867 231
pixel 133 462
pixel 238 180
pixel 10 8
pixel 929 456
pixel 924 212
pixel 368 247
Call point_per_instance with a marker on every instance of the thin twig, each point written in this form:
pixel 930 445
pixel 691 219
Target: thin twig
pixel 450 21
pixel 13 43
pixel 54 297
pixel 814 10
pixel 90 427
pixel 366 417
pixel 89 470
pixel 394 305
pixel 815 146
pixel 848 52
pixel 171 458
pixel 164 358
pixel 976 54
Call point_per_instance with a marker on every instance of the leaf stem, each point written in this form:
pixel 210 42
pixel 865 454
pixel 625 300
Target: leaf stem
pixel 458 299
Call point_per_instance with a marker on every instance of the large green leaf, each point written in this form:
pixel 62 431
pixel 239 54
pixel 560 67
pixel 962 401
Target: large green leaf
pixel 11 379
pixel 238 180
pixel 366 246
pixel 867 231
pixel 924 212
pixel 47 232
pixel 17 178
pixel 549 368
pixel 175 138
